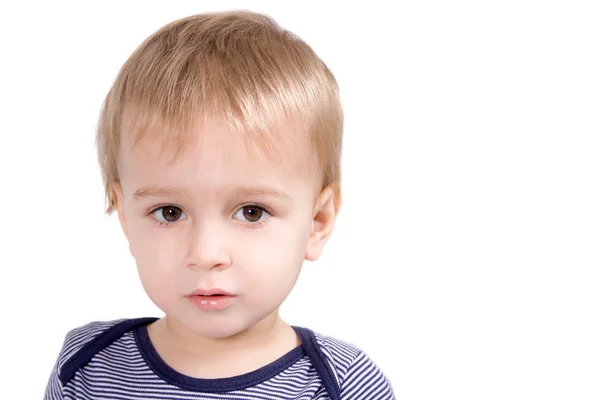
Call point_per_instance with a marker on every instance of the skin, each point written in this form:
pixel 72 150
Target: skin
pixel 216 235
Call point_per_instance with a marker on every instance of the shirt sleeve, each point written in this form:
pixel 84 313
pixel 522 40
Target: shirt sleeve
pixel 74 341
pixel 364 380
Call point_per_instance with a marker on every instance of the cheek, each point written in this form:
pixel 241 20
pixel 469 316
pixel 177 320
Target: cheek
pixel 154 257
pixel 153 252
pixel 274 260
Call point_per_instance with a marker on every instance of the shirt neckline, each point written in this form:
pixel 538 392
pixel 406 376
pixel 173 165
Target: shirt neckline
pixel 219 385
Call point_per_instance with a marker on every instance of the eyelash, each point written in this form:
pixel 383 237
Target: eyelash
pixel 253 225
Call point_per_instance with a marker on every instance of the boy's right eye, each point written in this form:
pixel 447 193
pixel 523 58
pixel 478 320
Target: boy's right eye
pixel 168 214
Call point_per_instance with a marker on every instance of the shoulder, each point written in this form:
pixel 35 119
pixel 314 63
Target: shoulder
pixel 78 337
pixel 75 340
pixel 339 354
pixel 357 375
pixel 83 342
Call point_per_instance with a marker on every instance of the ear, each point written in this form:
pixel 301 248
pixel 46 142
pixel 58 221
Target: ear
pixel 324 214
pixel 120 206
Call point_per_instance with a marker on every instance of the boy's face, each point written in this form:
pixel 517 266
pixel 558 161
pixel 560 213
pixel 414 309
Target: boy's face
pixel 219 218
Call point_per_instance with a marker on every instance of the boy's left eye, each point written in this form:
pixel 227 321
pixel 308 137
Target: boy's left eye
pixel 252 214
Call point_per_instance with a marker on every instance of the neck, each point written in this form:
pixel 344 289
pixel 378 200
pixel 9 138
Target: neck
pixel 203 357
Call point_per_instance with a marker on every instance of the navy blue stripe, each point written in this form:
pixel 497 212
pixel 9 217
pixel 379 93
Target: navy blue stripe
pixel 90 349
pixel 219 385
pixel 318 361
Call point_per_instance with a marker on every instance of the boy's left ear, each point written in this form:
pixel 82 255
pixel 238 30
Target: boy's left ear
pixel 324 214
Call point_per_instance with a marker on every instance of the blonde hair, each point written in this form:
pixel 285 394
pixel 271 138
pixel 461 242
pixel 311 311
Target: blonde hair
pixel 239 67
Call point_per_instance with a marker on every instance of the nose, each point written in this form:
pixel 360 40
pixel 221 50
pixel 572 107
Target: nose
pixel 207 247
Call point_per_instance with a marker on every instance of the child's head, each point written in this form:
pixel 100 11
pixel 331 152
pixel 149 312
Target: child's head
pixel 219 145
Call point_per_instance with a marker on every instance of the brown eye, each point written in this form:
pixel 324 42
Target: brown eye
pixel 252 213
pixel 168 214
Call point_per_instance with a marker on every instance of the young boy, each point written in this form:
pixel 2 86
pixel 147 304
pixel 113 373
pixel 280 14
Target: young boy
pixel 219 145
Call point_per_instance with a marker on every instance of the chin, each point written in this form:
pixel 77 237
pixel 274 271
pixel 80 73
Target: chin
pixel 215 324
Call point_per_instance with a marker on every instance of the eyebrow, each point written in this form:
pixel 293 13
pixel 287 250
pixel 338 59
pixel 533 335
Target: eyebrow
pixel 157 191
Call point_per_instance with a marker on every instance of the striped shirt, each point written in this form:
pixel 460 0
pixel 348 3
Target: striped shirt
pixel 116 360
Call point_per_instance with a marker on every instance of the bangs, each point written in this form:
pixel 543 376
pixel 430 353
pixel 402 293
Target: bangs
pixel 177 124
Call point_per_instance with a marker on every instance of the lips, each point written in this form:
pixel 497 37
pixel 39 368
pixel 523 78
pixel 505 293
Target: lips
pixel 211 299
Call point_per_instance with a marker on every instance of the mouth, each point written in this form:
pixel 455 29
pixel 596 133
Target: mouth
pixel 210 293
pixel 211 300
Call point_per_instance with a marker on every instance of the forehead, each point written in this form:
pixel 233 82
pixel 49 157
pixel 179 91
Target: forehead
pixel 214 156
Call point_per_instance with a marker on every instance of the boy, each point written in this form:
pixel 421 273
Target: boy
pixel 219 145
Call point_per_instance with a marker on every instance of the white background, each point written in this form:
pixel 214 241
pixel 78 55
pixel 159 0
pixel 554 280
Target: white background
pixel 466 257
